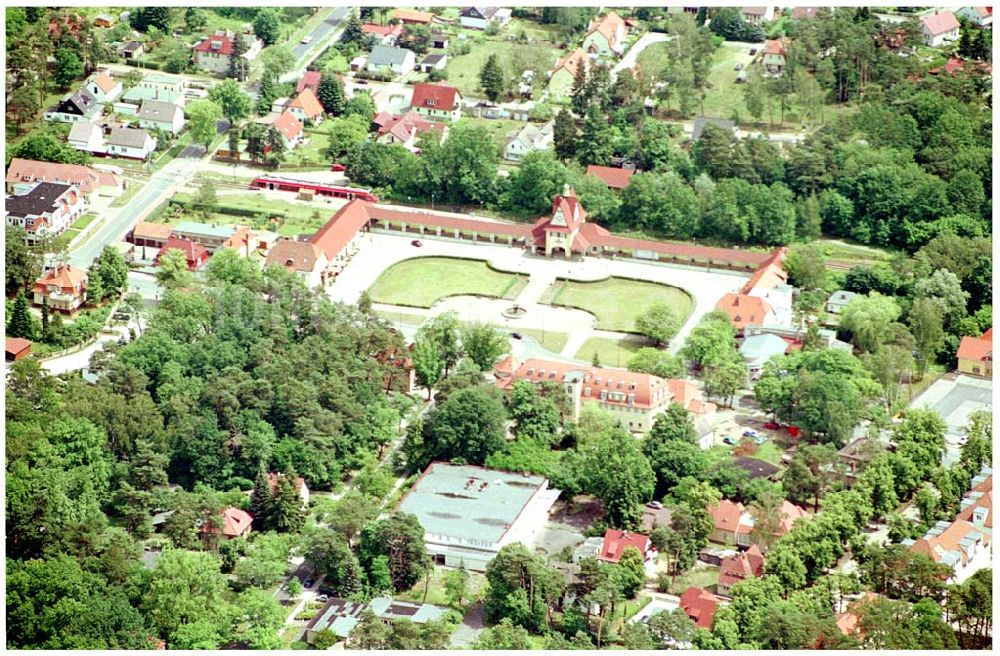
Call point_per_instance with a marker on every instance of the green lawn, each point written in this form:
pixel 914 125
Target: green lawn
pixel 312 153
pixel 300 218
pixel 616 302
pixel 501 129
pixel 436 591
pixel 548 339
pixel 83 221
pixel 768 452
pixel 701 577
pixel 463 70
pixel 131 190
pixel 610 352
pixel 401 317
pixel 422 281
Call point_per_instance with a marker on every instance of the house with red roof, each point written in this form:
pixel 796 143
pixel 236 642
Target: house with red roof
pixel 966 543
pixel 979 16
pixel 412 16
pixel 304 258
pixel 405 129
pixel 22 174
pixel 230 523
pixel 437 101
pixel 700 605
pixel 340 237
pixel 64 286
pixel 975 355
pixel 612 176
pixel 195 254
pixel 16 349
pixel 848 621
pixel 615 543
pixel 733 522
pixel 103 87
pixel 387 35
pixel 214 52
pixel 739 567
pixel 606 37
pixel 939 28
pixel 310 80
pixel 290 128
pixel 565 71
pixel 300 486
pixel 307 107
pixel 745 310
pixel 773 56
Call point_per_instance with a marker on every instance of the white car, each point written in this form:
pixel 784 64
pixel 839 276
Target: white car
pixel 305 40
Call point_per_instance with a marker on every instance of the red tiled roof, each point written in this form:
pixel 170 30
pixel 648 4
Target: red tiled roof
pixel 64 276
pixel 272 482
pixel 340 230
pixel 790 513
pixel 105 82
pixel 572 212
pixel 382 30
pixel 88 179
pixel 194 252
pixel 294 255
pixel 224 47
pixel 800 13
pixel 435 96
pixel 770 273
pixel 985 501
pixel 289 126
pixel 308 103
pixel 412 16
pixel 976 348
pixel 310 80
pixel 775 46
pixel 615 178
pixel 690 396
pixel 433 219
pixel 608 27
pixel 746 565
pixel 700 606
pixel 15 345
pixel 404 127
pixel 940 23
pixel 572 62
pixel 743 310
pixel 649 391
pixel 727 516
pixel 615 543
pixel 147 230
pixel 235 522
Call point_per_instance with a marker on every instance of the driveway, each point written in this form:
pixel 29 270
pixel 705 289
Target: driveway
pixel 632 56
pixel 470 628
pixel 661 603
pixel 378 251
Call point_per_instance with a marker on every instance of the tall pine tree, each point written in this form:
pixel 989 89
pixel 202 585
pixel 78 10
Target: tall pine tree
pixel 564 135
pixel 491 78
pixel 286 514
pixel 580 91
pixel 20 319
pixel 239 67
pixel 330 93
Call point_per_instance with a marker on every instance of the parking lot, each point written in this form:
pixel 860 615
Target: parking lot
pixel 955 397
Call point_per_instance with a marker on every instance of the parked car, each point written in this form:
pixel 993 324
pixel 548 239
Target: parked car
pixel 516 335
pixel 306 40
pixel 323 598
pixel 759 439
pixel 417 243
pixel 655 505
pixel 739 66
pixel 309 583
pixel 753 51
pixel 729 439
pixel 750 433
pixel 772 425
pixel 336 167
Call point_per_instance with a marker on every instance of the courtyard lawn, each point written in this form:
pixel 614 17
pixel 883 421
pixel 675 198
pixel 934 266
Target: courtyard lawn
pixel 408 318
pixel 501 129
pixel 610 352
pixel 300 218
pixel 422 281
pixel 617 302
pixel 312 153
pixel 549 340
pixel 436 591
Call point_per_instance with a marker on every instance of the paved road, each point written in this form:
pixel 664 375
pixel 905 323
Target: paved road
pixel 630 58
pixel 326 31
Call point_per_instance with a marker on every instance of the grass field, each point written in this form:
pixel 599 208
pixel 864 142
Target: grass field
pixel 548 339
pixel 313 151
pixel 616 302
pixel 501 129
pixel 83 221
pixel 610 352
pixel 463 70
pixel 401 317
pixel 700 577
pixel 436 591
pixel 300 218
pixel 422 281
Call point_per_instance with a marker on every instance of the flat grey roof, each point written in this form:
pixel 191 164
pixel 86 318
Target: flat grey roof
pixel 467 502
pixel 956 399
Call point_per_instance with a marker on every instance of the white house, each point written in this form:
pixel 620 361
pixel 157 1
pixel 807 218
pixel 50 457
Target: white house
pixel 306 259
pixel 757 15
pixel 131 143
pixel 606 37
pixel 45 210
pixel 75 107
pixel 529 138
pixel 479 18
pixel 390 58
pixel 213 53
pixel 469 513
pixel 939 28
pixel 155 114
pixel 981 16
pixel 758 349
pixel 290 129
pixel 103 87
pixel 87 137
pixel 839 300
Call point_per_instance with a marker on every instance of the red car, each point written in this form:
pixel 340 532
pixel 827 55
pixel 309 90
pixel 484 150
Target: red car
pixel 416 242
pixel 794 431
pixel 337 167
pixel 772 425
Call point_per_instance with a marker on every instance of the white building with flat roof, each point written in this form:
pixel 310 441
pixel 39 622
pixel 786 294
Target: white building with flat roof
pixel 469 513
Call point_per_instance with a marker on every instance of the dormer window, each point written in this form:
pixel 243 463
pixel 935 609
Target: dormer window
pixel 431 102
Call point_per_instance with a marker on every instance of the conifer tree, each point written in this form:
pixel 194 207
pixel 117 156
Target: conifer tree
pixel 331 94
pixel 20 319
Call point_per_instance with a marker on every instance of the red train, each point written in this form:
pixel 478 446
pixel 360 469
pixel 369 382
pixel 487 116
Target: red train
pixel 318 188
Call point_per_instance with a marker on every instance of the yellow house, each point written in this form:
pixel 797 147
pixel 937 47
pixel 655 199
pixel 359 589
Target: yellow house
pixel 975 355
pixel 606 37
